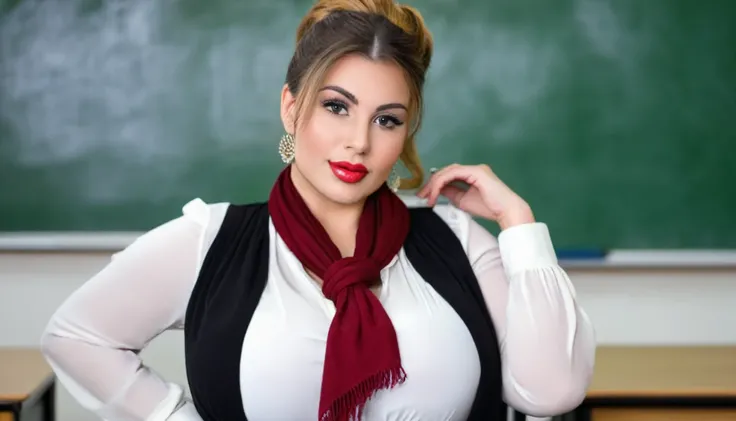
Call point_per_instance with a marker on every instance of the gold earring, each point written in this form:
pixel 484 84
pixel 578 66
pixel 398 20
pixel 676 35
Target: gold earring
pixel 394 181
pixel 286 148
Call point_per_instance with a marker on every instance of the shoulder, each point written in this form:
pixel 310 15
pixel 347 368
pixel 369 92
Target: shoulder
pixel 460 222
pixel 208 218
pixel 205 215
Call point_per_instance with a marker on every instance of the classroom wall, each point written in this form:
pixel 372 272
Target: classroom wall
pixel 627 305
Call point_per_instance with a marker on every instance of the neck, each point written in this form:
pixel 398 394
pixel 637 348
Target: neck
pixel 339 220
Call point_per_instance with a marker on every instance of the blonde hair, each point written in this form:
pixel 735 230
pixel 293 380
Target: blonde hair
pixel 379 29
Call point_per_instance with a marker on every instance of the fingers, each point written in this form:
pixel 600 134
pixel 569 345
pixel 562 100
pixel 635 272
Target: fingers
pixel 432 184
pixel 442 178
pixel 454 193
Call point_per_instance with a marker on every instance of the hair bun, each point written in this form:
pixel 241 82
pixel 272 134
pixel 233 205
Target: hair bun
pixel 405 17
pixel 322 8
pixel 412 22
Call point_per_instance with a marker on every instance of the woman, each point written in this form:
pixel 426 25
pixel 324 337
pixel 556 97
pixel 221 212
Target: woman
pixel 335 300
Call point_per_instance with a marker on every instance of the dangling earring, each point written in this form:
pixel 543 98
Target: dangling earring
pixel 394 181
pixel 286 148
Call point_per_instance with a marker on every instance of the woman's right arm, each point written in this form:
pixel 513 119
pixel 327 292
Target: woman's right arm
pixel 94 339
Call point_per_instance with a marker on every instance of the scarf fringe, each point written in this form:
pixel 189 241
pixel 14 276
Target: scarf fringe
pixel 349 406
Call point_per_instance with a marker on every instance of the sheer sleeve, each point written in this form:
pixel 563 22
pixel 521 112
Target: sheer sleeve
pixel 547 341
pixel 94 338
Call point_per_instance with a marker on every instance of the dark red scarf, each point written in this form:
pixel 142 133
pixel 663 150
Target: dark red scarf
pixel 362 354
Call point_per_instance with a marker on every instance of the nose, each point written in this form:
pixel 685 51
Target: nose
pixel 359 142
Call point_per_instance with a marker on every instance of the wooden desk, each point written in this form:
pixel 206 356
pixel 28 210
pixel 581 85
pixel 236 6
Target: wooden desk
pixel 26 386
pixel 662 383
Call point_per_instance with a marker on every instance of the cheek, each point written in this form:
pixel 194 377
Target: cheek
pixel 387 148
pixel 315 139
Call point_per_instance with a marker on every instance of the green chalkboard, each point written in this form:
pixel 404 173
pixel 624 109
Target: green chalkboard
pixel 615 119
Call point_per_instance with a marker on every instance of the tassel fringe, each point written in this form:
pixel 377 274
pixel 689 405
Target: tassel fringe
pixel 349 406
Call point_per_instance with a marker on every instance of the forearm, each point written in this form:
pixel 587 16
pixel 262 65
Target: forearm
pixel 112 383
pixel 547 341
pixel 549 347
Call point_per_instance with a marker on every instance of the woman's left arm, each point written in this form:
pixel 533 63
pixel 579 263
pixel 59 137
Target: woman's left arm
pixel 547 341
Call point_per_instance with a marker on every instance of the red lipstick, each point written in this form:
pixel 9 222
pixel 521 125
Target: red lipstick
pixel 347 172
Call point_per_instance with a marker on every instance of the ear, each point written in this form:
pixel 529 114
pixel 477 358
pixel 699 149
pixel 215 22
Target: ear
pixel 287 109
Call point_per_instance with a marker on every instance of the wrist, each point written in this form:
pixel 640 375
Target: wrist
pixel 518 215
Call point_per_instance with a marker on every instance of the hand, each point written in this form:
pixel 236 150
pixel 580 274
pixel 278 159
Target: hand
pixel 486 196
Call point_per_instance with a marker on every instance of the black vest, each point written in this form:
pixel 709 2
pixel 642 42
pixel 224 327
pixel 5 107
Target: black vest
pixel 233 277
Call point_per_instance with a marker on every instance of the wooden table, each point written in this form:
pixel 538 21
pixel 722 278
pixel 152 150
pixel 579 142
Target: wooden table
pixel 26 386
pixel 662 383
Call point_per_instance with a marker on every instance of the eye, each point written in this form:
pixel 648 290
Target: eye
pixel 388 121
pixel 335 107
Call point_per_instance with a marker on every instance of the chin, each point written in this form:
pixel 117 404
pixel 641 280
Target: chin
pixel 347 194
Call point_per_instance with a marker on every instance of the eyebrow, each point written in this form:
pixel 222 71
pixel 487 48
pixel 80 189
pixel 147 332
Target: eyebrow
pixel 354 100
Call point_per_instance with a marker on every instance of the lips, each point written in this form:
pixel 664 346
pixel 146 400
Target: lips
pixel 348 172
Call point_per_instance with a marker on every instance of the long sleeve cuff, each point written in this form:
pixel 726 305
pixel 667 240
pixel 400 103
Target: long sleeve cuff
pixel 527 246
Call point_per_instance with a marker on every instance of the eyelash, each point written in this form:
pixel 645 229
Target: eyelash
pixel 331 104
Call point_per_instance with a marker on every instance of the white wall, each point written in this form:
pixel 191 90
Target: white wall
pixel 628 306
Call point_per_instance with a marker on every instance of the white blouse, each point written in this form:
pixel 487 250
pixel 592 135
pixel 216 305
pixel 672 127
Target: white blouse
pixel 547 342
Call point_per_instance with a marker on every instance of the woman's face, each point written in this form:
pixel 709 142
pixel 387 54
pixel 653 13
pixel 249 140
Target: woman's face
pixel 346 149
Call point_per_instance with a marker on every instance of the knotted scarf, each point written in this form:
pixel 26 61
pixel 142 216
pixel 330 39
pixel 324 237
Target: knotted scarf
pixel 362 354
